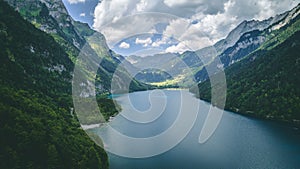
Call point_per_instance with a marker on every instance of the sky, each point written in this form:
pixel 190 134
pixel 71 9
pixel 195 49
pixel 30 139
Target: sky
pixel 82 10
pixel 158 26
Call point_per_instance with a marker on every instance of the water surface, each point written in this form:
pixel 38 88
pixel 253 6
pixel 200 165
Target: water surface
pixel 238 142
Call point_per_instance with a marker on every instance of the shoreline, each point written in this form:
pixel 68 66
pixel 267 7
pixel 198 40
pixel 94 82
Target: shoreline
pixel 96 125
pixel 248 115
pixel 257 117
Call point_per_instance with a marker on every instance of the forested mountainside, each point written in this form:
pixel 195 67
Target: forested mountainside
pixel 37 126
pixel 52 17
pixel 265 84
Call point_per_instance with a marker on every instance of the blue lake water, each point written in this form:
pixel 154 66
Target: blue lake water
pixel 238 141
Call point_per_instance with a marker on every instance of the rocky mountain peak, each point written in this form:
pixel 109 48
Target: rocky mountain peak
pixel 245 26
pixel 286 18
pixel 51 17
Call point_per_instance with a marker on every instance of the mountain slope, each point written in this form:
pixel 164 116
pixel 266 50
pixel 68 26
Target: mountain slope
pixel 286 24
pixel 266 83
pixel 49 16
pixel 52 17
pixel 244 27
pixel 37 126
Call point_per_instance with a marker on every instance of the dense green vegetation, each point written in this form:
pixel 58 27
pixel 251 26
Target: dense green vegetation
pixel 37 125
pixel 265 84
pixel 278 36
pixel 107 109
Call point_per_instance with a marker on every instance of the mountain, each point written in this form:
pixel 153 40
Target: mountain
pixel 265 84
pixel 52 17
pixel 171 69
pixel 38 128
pixel 253 40
pixel 166 69
pixel 244 27
pixel 282 27
pixel 262 72
pixel 235 45
pixel 150 69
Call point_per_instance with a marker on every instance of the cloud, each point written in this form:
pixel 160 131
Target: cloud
pixel 260 9
pixel 124 45
pixel 180 48
pixel 164 40
pixel 141 6
pixel 172 3
pixel 82 15
pixel 195 24
pixel 127 27
pixel 145 42
pixel 76 1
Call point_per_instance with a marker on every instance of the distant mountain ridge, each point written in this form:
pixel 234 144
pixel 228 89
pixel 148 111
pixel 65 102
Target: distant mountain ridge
pixel 247 37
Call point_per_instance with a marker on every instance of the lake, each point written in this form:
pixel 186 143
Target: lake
pixel 238 141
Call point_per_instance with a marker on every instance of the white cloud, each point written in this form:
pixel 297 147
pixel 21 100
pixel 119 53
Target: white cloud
pixel 111 10
pixel 186 35
pixel 124 45
pixel 174 3
pixel 195 24
pixel 141 6
pixel 180 48
pixel 76 1
pixel 82 15
pixel 145 42
pixel 164 40
pixel 260 9
pixel 127 27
